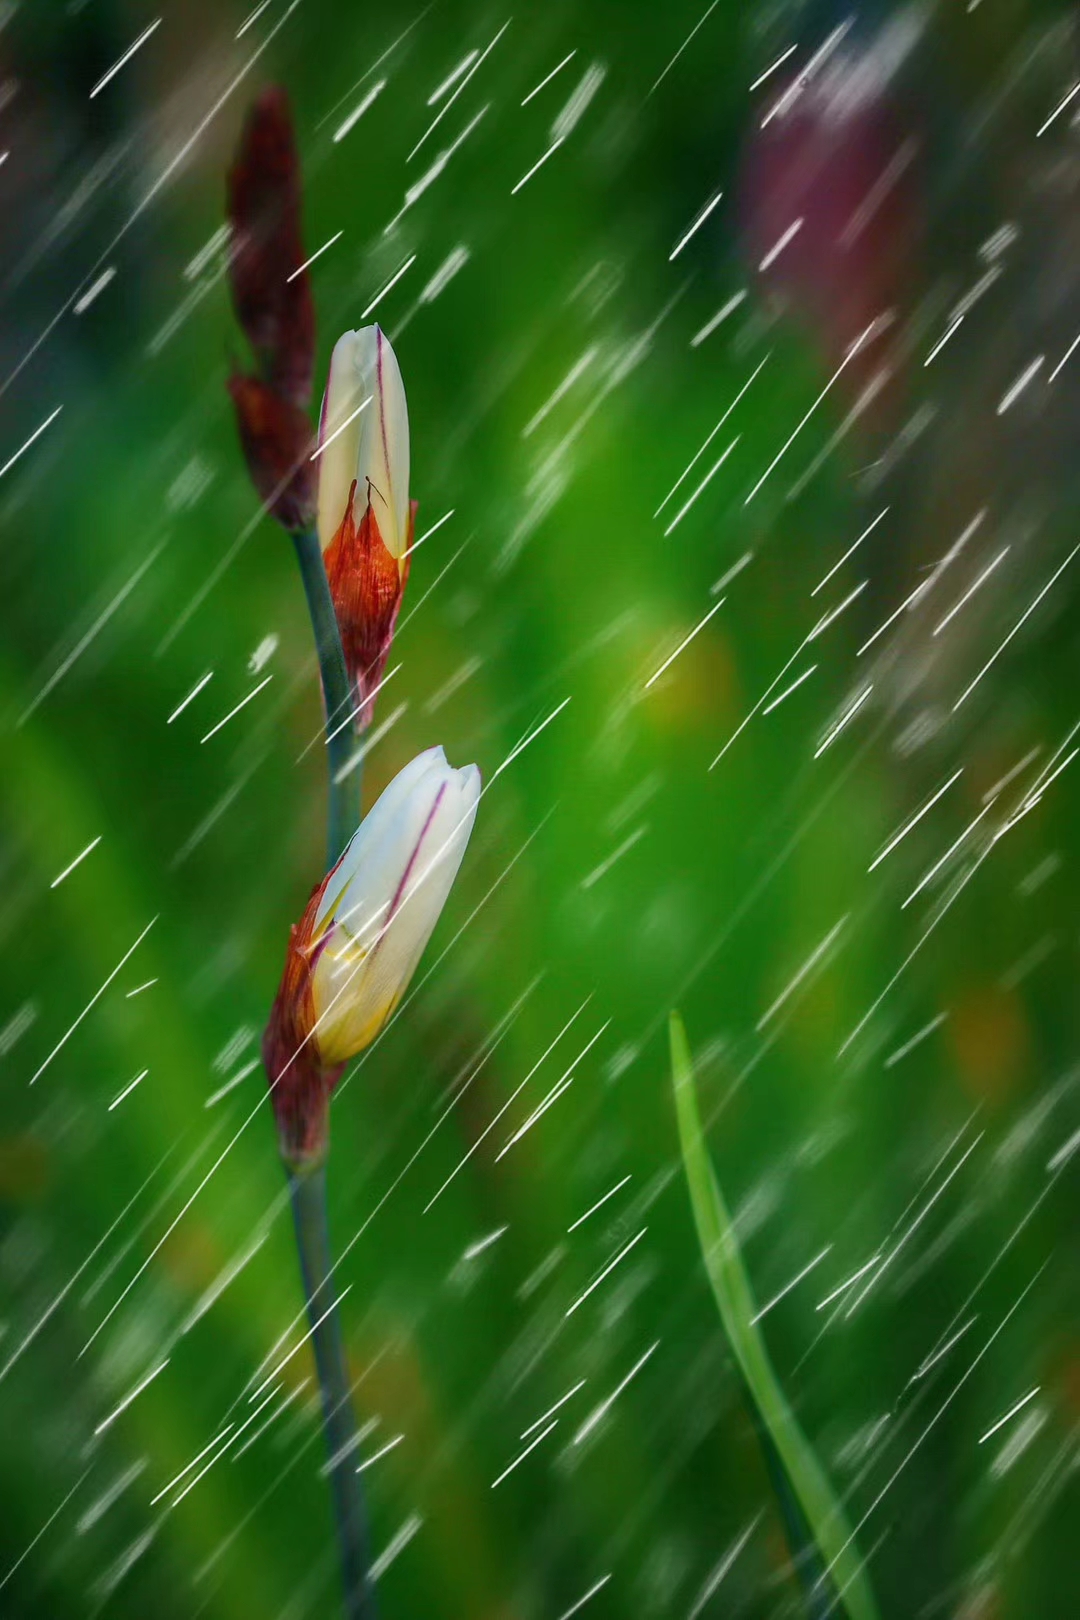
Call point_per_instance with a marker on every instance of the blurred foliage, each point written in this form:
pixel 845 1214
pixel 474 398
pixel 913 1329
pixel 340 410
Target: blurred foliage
pixel 612 874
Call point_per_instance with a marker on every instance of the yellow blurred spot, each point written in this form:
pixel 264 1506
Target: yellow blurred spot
pixel 982 1604
pixel 24 1169
pixel 700 687
pixel 816 1017
pixel 990 1041
pixel 191 1257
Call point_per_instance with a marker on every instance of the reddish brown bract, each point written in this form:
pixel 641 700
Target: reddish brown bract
pixel 367 584
pixel 277 442
pixel 300 1086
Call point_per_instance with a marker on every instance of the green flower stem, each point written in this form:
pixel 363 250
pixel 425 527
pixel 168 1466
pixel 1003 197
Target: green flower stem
pixel 344 793
pixel 308 1190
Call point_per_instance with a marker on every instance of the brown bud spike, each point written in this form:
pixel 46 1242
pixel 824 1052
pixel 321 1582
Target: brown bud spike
pixel 273 302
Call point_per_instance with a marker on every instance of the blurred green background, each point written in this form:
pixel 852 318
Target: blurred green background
pixel 556 394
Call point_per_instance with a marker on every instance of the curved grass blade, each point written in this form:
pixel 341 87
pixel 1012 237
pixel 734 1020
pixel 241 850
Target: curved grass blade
pixel 823 1519
pixel 806 1559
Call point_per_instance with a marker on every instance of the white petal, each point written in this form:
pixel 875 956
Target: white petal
pixel 338 461
pixel 376 853
pixel 384 443
pixel 390 886
pixel 417 907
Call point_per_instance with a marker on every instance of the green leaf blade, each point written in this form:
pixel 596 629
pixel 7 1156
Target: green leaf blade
pixel 825 1518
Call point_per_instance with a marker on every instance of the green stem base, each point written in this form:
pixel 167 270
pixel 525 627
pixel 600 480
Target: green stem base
pixel 308 1191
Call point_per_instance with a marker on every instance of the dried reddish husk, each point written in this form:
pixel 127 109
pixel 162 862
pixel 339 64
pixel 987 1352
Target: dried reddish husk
pixel 367 583
pixel 277 441
pixel 273 303
pixel 300 1084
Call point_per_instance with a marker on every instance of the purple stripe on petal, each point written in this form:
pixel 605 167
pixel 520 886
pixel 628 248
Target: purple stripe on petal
pixel 396 901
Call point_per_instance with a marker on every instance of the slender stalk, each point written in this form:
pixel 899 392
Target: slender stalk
pixel 308 1190
pixel 343 811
